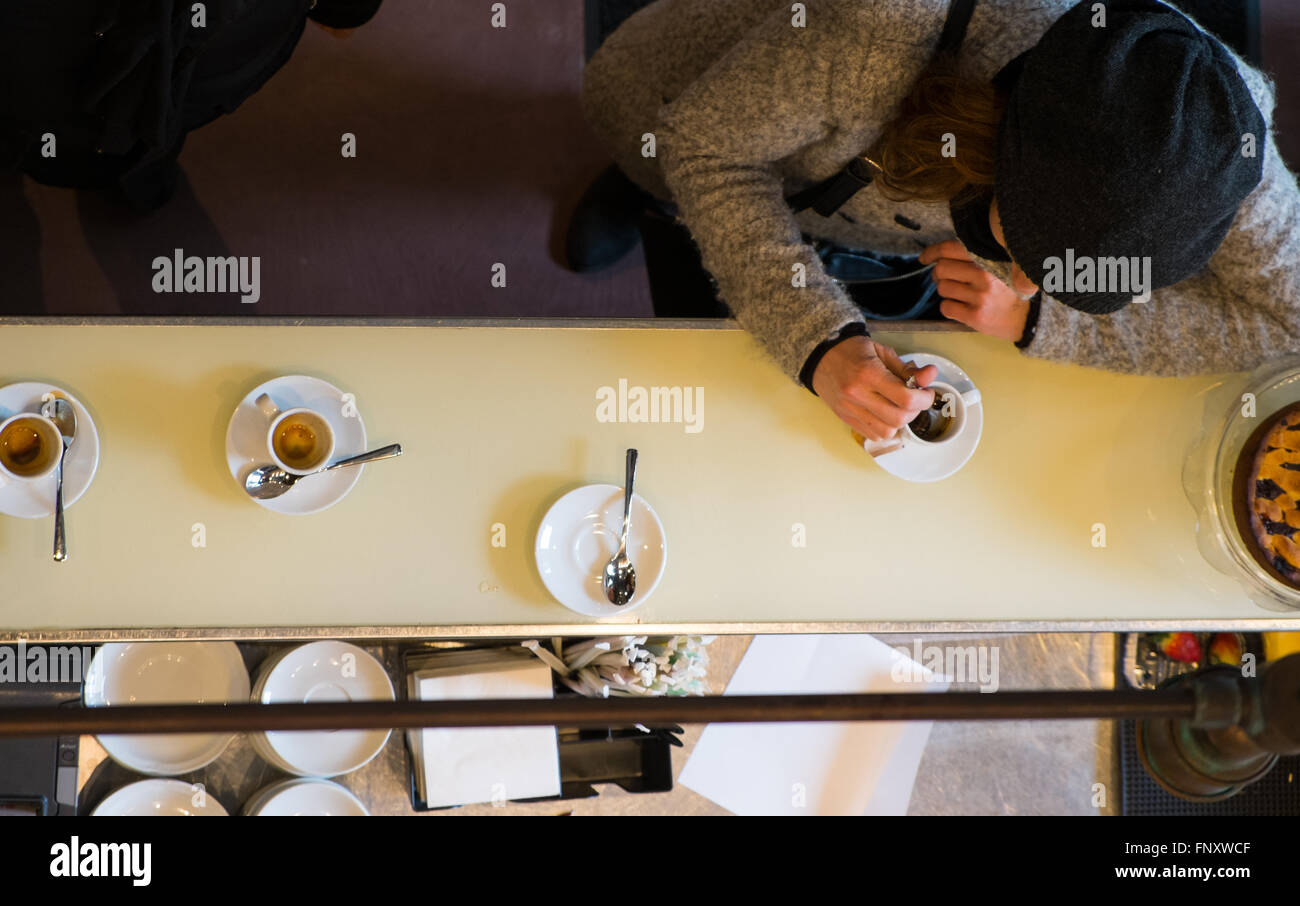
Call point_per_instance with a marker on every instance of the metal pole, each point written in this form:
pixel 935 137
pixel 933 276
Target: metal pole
pixel 579 712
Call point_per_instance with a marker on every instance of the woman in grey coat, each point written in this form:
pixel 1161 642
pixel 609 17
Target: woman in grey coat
pixel 1064 143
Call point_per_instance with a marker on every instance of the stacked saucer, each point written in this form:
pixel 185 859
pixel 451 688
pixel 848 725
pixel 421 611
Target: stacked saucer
pixel 304 798
pixel 320 672
pixel 137 673
pixel 160 798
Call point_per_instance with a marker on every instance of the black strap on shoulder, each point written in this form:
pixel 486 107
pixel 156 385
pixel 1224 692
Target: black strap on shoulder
pixel 829 195
pixel 954 27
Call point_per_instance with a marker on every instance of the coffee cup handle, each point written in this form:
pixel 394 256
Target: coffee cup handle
pixel 269 409
pixel 971 397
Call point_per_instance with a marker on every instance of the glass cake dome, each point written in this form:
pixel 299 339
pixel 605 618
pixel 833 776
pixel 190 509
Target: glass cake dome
pixel 1236 413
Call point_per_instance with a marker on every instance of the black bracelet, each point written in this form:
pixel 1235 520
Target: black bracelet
pixel 1031 321
pixel 854 329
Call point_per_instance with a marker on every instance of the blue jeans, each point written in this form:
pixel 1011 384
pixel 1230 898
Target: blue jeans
pixel 885 287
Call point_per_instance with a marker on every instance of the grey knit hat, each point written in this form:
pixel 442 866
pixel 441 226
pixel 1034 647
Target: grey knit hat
pixel 1123 141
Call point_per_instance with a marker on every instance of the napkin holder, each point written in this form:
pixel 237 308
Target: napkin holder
pixel 632 759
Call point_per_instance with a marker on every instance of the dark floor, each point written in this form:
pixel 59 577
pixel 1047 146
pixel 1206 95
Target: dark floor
pixel 470 147
pixel 1280 34
pixel 468 139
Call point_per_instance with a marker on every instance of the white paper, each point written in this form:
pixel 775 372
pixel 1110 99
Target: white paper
pixel 813 768
pixel 464 765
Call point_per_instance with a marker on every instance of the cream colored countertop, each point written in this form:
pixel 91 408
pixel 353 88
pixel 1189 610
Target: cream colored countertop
pixel 498 421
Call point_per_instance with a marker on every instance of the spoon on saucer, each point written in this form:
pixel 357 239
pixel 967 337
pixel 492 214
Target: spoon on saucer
pixel 61 413
pixel 269 481
pixel 620 577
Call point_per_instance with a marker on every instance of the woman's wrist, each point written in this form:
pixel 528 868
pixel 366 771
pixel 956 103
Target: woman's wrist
pixel 1031 321
pixel 852 329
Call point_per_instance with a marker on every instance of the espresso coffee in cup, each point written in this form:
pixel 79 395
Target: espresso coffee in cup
pixel 295 443
pixel 934 423
pixel 298 440
pixel 943 422
pixel 30 447
pixel 945 418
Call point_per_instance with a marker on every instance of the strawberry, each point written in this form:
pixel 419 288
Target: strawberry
pixel 1179 646
pixel 1225 648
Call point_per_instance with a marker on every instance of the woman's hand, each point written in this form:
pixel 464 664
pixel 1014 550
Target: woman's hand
pixel 863 383
pixel 973 296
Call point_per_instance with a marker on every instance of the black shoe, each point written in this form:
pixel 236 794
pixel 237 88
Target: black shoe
pixel 606 223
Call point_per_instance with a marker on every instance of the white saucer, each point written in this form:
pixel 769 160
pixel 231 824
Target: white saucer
pixel 246 442
pixel 34 499
pixel 166 672
pixel 315 672
pixel 158 798
pixel 934 462
pixel 305 798
pixel 580 533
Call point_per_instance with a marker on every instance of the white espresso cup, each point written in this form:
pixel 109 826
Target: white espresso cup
pixel 952 406
pixel 30 447
pixel 300 440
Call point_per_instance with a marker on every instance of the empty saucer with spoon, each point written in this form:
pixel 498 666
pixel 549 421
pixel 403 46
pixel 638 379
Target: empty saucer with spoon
pixel 581 535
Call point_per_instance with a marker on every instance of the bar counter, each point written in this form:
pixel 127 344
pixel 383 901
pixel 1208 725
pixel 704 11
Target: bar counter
pixel 775 521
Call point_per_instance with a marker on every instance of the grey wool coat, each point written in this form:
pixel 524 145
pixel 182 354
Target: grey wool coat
pixel 745 109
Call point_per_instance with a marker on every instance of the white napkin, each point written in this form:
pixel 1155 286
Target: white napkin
pixel 463 765
pixel 812 768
